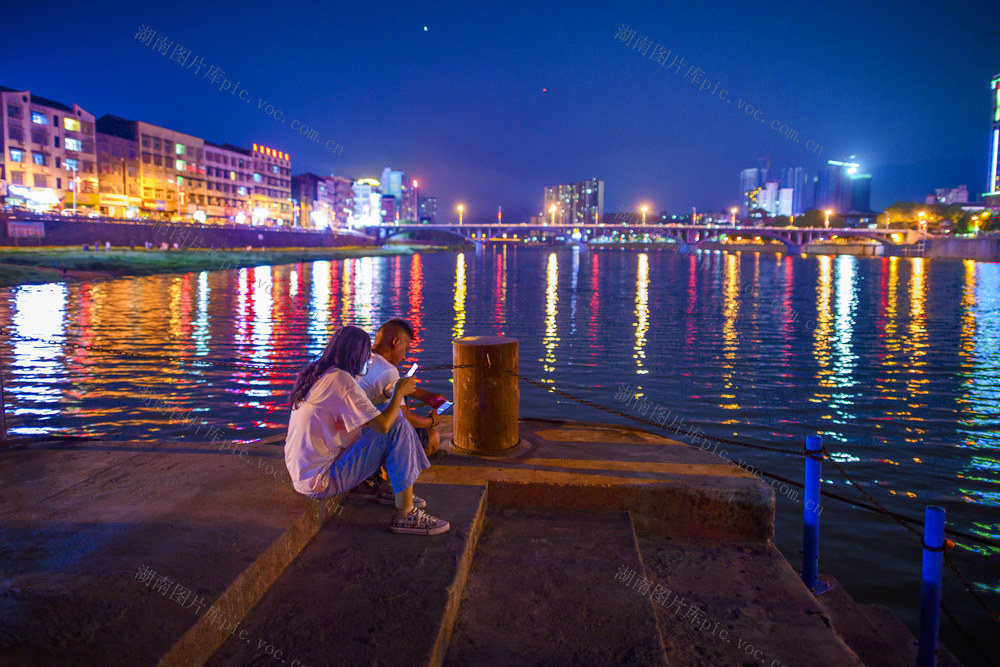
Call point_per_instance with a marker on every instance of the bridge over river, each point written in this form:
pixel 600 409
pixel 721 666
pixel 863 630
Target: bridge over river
pixel 689 236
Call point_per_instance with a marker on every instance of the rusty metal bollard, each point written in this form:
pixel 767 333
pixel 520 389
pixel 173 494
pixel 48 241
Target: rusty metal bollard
pixel 487 400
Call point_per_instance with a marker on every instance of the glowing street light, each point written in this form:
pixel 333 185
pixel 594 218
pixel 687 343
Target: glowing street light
pixel 923 224
pixel 461 208
pixel 644 208
pixel 732 212
pixel 552 210
pixel 828 212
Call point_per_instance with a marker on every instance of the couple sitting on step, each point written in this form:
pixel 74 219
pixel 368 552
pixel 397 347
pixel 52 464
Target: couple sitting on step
pixel 338 439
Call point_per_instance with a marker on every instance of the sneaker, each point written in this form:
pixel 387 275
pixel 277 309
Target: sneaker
pixel 419 522
pixel 389 498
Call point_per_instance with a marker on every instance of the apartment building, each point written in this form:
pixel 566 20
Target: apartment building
pixel 47 151
pixel 229 182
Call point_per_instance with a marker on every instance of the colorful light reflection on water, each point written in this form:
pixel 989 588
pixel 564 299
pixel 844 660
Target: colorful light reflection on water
pixel 895 361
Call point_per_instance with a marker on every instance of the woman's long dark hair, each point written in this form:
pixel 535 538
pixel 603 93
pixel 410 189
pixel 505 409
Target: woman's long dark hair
pixel 349 348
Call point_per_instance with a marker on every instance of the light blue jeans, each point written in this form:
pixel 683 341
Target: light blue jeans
pixel 398 450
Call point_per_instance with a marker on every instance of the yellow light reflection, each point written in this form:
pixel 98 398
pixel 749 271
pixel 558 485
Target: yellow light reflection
pixel 551 301
pixel 917 336
pixel 459 330
pixel 641 312
pixel 824 319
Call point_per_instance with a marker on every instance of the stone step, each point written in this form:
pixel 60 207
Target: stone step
pixel 542 592
pixel 730 603
pixel 857 630
pixel 362 595
pixel 895 632
pixel 83 524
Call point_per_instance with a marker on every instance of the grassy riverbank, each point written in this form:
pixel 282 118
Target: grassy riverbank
pixel 30 266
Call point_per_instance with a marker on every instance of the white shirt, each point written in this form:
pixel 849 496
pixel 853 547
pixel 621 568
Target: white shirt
pixel 380 376
pixel 324 424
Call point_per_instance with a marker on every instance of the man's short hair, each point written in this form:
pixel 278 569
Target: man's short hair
pixel 396 323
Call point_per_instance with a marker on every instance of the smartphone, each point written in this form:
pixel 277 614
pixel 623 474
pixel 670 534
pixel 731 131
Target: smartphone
pixel 444 406
pixel 413 369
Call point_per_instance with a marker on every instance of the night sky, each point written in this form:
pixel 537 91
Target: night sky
pixel 461 107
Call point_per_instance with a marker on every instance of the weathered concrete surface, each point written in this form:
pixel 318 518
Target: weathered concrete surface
pixel 79 521
pixel 735 604
pixel 539 593
pixel 362 595
pixel 667 486
pixel 874 632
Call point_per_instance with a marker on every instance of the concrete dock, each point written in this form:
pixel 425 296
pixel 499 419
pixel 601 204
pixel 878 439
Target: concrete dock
pixel 585 545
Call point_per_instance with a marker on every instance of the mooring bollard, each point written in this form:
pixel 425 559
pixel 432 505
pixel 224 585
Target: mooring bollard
pixel 810 515
pixel 486 398
pixel 930 586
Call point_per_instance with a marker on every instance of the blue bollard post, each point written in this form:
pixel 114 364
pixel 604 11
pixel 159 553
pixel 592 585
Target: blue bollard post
pixel 810 514
pixel 930 586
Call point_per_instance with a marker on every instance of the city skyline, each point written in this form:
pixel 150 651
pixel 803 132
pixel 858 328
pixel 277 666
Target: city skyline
pixel 467 107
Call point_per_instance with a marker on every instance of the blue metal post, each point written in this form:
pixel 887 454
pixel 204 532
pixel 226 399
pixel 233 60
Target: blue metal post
pixel 930 586
pixel 810 514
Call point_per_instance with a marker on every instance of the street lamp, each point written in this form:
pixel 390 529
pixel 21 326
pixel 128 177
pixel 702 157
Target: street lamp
pixel 416 202
pixel 828 212
pixel 923 225
pixel 644 209
pixel 732 212
pixel 552 210
pixel 461 208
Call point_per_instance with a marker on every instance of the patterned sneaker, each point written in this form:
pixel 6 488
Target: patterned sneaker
pixel 389 498
pixel 419 522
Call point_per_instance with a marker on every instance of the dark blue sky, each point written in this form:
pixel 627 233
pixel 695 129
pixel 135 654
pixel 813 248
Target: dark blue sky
pixel 461 107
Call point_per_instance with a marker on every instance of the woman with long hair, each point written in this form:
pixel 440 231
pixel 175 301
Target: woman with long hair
pixel 337 438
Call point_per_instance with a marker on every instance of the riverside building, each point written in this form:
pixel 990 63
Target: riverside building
pixel 228 181
pixel 171 168
pixel 46 148
pixel 271 198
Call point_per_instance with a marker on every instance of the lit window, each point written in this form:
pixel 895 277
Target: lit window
pixel 274 168
pixel 16 155
pixel 257 178
pixel 38 158
pixel 39 118
pixel 232 175
pixel 71 124
pixel 243 191
pixel 71 164
pixel 73 144
pixel 179 165
pixel 179 148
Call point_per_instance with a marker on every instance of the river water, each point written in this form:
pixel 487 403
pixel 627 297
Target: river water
pixel 894 361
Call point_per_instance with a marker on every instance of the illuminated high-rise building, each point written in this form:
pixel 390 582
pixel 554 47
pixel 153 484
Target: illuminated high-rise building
pixel 751 182
pixel 833 186
pixel 575 203
pixel 993 178
pixel 797 179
